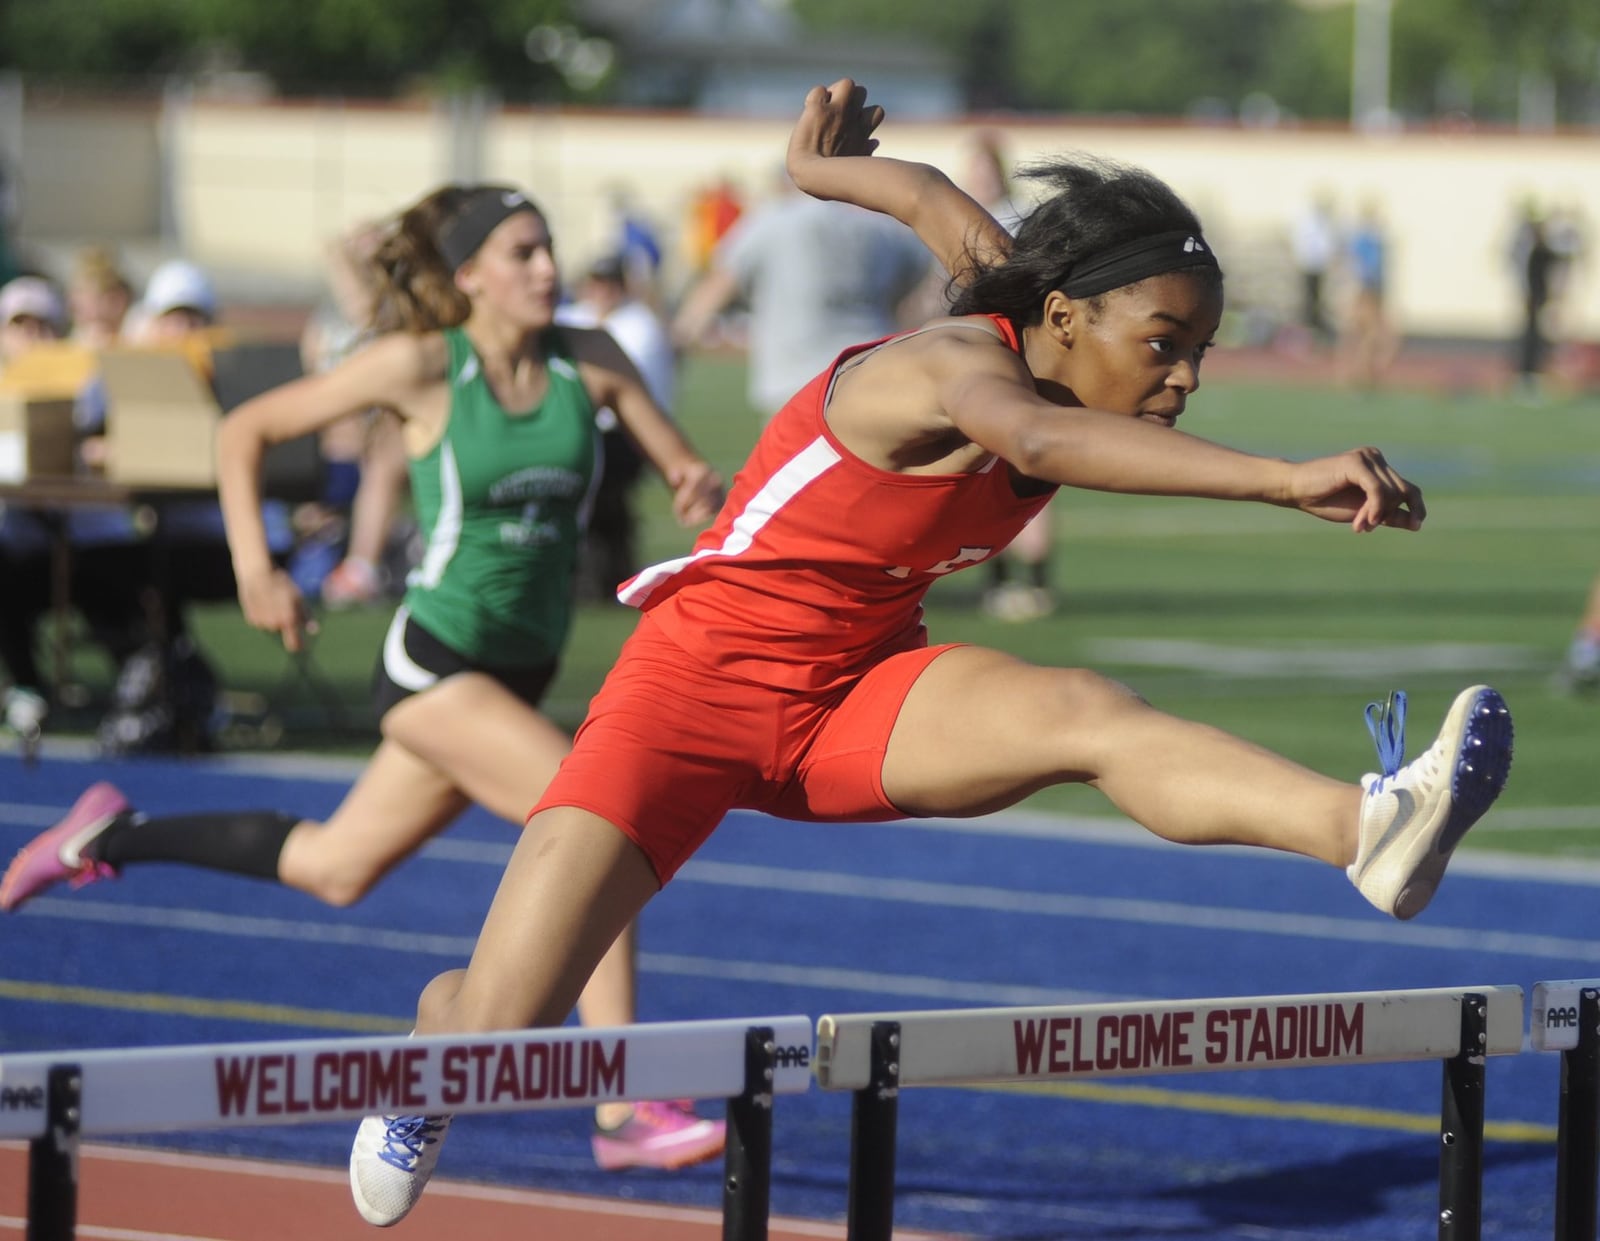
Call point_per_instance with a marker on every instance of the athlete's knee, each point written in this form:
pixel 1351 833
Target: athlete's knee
pixel 332 879
pixel 463 1002
pixel 339 889
pixel 1073 709
pixel 406 721
pixel 435 1004
pixel 315 861
pixel 1082 694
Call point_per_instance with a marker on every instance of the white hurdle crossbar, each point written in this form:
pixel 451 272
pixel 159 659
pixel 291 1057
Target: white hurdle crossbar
pixel 875 1054
pixel 53 1099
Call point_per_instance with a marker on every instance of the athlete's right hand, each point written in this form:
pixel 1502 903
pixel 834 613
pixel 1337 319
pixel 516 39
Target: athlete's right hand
pixel 696 492
pixel 272 601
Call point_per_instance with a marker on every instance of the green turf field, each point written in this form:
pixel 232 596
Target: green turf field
pixel 1264 622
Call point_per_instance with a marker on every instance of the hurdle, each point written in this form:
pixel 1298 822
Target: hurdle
pixel 54 1099
pixel 874 1055
pixel 1566 1018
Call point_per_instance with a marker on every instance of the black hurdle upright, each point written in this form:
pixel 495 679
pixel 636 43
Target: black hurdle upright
pixel 1578 1129
pixel 874 1119
pixel 1461 1127
pixel 53 1159
pixel 747 1160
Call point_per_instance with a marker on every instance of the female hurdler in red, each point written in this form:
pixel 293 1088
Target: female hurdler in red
pixel 783 665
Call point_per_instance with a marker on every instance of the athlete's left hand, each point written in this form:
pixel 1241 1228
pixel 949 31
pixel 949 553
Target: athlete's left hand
pixel 696 492
pixel 1359 488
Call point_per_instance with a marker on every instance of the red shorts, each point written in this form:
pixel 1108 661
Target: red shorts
pixel 670 746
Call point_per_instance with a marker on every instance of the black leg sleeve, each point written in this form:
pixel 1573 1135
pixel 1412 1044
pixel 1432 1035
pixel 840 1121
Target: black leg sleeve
pixel 241 842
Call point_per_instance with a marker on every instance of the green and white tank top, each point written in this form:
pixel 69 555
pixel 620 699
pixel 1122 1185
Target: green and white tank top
pixel 503 500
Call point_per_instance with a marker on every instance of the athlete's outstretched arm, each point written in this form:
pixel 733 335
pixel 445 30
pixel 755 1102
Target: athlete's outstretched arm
pixel 385 374
pixel 831 156
pixel 988 394
pixel 613 381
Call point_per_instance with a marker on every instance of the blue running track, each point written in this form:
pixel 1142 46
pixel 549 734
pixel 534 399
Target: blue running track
pixel 775 918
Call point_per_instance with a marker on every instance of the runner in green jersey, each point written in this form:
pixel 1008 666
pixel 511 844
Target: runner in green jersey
pixel 497 409
pixel 503 499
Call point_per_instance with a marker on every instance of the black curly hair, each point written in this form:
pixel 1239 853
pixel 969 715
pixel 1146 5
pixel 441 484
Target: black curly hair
pixel 1093 205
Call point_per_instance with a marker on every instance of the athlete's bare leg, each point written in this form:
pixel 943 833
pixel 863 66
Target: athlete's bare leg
pixel 466 740
pixel 572 884
pixel 981 730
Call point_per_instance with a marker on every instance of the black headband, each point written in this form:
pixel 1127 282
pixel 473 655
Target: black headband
pixel 487 207
pixel 1134 261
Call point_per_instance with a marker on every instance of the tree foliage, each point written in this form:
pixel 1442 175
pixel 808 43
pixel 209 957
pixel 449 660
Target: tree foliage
pixel 362 46
pixel 1175 57
pixel 1481 60
pixel 1481 57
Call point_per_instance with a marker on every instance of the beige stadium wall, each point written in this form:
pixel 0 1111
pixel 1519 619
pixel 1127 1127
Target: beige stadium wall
pixel 258 190
pixel 1448 202
pixel 90 169
pixel 263 189
pixel 1448 199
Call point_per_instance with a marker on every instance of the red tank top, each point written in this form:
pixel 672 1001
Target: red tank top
pixel 817 564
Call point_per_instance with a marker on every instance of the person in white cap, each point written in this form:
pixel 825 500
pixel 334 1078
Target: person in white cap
pixel 179 299
pixel 31 311
pixel 603 300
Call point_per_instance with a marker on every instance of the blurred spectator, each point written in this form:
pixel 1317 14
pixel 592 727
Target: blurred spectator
pixel 179 300
pixel 342 321
pixel 1533 263
pixel 165 693
pixel 1564 229
pixel 1019 577
pixel 1314 242
pixel 31 311
pixel 988 179
pixel 1580 671
pixel 103 588
pixel 603 300
pixel 713 211
pixel 609 555
pixel 1564 234
pixel 100 297
pixel 817 277
pixel 637 241
pixel 1370 344
pixel 25 570
pixel 344 540
pixel 1576 360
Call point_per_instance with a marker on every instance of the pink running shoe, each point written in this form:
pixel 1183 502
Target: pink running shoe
pixel 660 1135
pixel 57 853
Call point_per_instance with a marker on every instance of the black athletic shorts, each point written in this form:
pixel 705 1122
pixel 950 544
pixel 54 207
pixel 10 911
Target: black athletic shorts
pixel 413 660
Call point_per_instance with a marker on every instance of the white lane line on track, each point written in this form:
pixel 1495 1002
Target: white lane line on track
pixel 1022 823
pixel 1142 912
pixel 1299 660
pixel 882 889
pixel 459 947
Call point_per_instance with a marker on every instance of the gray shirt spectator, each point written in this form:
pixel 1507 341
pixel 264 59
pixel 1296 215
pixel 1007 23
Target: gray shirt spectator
pixel 818 278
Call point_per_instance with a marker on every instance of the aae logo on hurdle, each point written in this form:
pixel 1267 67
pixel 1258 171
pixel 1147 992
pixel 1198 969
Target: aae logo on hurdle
pixel 1553 1023
pixel 1193 1036
pixel 21 1099
pixel 149 1090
